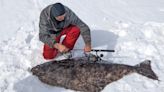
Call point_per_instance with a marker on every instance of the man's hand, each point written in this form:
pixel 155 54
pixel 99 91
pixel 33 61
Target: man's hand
pixel 87 48
pixel 61 48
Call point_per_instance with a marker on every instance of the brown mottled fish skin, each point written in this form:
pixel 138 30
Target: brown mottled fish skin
pixel 84 76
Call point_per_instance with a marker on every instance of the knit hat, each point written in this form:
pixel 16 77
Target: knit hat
pixel 57 9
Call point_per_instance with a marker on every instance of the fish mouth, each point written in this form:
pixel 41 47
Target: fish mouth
pixel 37 71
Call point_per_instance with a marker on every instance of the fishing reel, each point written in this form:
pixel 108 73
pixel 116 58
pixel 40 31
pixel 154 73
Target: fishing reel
pixel 94 58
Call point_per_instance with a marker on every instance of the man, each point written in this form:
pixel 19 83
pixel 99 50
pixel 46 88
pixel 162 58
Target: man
pixel 57 20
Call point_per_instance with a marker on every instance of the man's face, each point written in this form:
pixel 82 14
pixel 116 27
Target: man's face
pixel 60 18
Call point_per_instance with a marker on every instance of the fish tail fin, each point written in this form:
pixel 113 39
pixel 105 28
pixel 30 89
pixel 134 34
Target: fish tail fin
pixel 145 69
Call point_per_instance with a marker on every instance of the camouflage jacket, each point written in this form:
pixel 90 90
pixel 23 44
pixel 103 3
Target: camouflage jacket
pixel 47 25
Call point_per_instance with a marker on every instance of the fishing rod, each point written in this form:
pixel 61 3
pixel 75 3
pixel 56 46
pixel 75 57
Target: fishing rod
pixel 99 58
pixel 99 50
pixel 102 50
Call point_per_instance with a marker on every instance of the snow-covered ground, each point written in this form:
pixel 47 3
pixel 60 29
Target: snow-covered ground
pixel 134 28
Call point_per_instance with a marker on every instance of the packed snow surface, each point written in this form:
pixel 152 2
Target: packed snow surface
pixel 133 28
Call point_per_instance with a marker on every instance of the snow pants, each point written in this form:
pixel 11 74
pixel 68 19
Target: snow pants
pixel 72 33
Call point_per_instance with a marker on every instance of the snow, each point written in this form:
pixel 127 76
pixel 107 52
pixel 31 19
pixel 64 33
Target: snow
pixel 134 28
